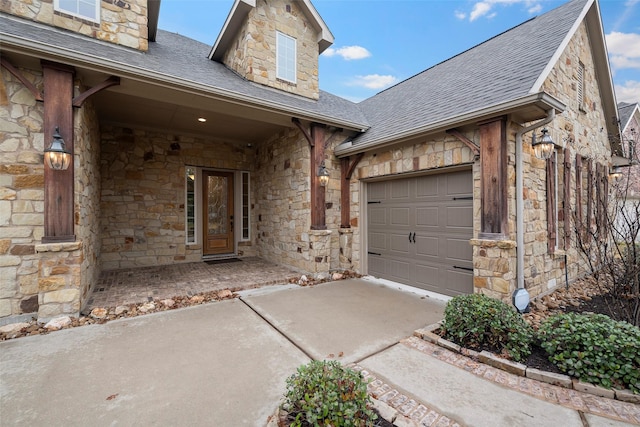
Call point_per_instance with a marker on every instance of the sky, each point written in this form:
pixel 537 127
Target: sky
pixel 381 42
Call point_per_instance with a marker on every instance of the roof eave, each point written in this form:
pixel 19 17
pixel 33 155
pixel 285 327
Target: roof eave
pixel 541 101
pixel 19 45
pixel 232 24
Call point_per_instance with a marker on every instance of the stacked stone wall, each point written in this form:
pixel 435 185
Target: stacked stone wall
pixel 253 52
pixel 143 194
pixel 21 193
pixel 121 22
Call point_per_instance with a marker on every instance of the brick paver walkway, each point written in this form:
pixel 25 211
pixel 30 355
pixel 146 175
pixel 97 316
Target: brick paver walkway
pixel 138 285
pixel 420 412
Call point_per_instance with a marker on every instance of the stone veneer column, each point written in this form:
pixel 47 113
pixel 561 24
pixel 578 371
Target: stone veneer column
pixel 319 253
pixel 346 244
pixel 59 279
pixel 494 264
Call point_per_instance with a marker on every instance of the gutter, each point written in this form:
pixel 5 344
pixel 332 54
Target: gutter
pixel 551 113
pixel 348 148
pixel 21 45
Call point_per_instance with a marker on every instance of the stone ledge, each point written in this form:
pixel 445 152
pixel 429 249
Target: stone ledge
pixel 593 389
pixel 552 378
pixel 345 230
pixel 500 244
pixel 627 396
pixel 503 364
pixel 58 247
pixel 319 232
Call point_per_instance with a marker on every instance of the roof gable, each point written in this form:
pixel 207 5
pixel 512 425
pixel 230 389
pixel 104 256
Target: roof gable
pixel 241 9
pixel 626 112
pixel 502 72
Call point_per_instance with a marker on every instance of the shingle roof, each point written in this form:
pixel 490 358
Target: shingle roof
pixel 500 70
pixel 179 58
pixel 625 110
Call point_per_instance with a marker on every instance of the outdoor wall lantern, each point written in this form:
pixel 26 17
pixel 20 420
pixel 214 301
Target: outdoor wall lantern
pixel 57 156
pixel 323 175
pixel 543 148
pixel 615 172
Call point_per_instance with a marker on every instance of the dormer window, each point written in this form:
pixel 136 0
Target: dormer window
pixel 285 57
pixel 85 9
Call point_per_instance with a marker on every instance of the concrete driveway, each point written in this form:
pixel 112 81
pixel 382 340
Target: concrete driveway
pixel 219 364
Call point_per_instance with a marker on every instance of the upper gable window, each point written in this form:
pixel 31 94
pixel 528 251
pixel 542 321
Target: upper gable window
pixel 285 57
pixel 580 85
pixel 85 9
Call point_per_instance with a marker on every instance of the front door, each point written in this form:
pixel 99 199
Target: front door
pixel 217 212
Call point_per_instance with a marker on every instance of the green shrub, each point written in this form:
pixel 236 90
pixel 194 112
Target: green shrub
pixel 326 393
pixel 594 348
pixel 480 322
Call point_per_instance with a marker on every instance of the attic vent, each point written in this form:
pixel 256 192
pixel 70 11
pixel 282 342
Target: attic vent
pixel 288 7
pixel 581 85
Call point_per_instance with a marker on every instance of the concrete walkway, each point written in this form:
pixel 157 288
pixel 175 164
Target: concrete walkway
pixel 225 364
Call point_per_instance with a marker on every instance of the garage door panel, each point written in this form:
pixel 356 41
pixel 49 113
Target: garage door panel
pixel 427 246
pixel 427 216
pixel 458 282
pixel 399 243
pixel 437 212
pixel 459 216
pixel 378 216
pixel 399 216
pixel 459 250
pixel 378 242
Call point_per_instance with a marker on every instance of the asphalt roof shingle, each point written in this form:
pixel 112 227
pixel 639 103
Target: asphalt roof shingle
pixel 501 69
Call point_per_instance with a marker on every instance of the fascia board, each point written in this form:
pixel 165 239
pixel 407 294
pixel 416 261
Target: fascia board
pixel 83 60
pixel 546 100
pixel 238 12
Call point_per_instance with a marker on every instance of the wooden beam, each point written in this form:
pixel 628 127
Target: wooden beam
pixel 551 204
pixel 346 171
pixel 58 185
pixel 578 222
pixel 18 75
pixel 566 204
pixel 493 168
pixel 465 140
pixel 318 209
pixel 111 81
pixel 306 134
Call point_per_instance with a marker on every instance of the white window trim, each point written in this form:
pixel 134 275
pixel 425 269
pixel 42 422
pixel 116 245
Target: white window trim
pixel 56 7
pixel 295 54
pixel 555 207
pixel 197 215
pixel 241 238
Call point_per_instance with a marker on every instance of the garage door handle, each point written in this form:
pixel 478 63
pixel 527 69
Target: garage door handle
pixel 412 239
pixel 463 268
pixel 374 253
pixel 463 198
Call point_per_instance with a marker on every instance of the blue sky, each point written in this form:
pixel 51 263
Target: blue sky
pixel 381 42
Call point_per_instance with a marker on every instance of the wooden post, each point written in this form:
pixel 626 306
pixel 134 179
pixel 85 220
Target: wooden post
pixel 318 217
pixel 58 185
pixel 345 200
pixel 493 164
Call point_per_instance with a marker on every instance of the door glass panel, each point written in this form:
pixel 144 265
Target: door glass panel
pixel 217 204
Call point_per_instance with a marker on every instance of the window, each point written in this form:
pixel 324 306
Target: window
pixel 190 203
pixel 86 9
pixel 580 85
pixel 245 206
pixel 285 57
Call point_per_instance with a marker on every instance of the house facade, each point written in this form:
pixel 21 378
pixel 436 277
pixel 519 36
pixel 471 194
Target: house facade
pixel 184 152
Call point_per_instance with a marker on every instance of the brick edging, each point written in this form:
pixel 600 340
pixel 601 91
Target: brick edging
pixel 556 388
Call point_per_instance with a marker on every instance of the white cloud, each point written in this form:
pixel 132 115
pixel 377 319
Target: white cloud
pixel 374 81
pixel 485 8
pixel 460 15
pixel 348 52
pixel 628 92
pixel 623 45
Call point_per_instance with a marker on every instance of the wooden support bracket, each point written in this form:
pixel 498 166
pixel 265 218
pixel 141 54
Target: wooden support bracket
pixel 18 75
pixel 352 166
pixel 111 81
pixel 306 134
pixel 465 140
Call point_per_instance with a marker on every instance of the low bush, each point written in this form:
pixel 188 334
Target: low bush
pixel 594 348
pixel 324 393
pixel 479 322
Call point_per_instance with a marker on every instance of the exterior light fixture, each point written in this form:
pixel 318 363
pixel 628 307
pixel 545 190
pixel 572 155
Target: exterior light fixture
pixel 520 300
pixel 323 175
pixel 57 156
pixel 543 148
pixel 615 172
pixel 202 119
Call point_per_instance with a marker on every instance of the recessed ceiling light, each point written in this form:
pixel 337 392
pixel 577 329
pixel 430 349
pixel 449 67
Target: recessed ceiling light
pixel 202 119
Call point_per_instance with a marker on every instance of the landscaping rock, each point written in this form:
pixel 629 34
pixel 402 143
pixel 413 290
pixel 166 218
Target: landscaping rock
pixel 58 323
pixel 147 307
pixel 226 293
pixel 99 313
pixel 12 328
pixel 121 309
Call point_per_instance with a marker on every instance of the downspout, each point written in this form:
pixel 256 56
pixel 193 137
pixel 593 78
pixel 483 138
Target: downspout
pixel 519 198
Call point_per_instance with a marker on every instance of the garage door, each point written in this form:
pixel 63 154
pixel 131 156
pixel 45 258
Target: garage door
pixel 418 231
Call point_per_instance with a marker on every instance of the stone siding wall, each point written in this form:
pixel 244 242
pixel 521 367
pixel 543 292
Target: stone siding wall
pixel 21 193
pixel 631 176
pixel 143 194
pixel 121 22
pixel 253 52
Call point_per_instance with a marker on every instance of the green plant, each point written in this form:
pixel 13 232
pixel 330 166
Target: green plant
pixel 594 348
pixel 324 393
pixel 480 322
